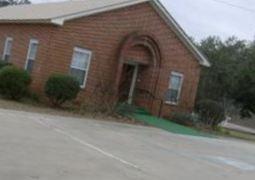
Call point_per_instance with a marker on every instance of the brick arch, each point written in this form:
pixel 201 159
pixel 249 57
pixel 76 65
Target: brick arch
pixel 146 41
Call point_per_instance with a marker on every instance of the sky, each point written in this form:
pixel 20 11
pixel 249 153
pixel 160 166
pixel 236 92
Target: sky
pixel 203 18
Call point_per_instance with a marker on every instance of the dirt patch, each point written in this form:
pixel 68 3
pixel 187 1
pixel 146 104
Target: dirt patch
pixel 28 106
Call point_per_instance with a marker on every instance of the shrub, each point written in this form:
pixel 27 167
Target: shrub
pixel 211 112
pixel 14 83
pixel 104 99
pixel 185 119
pixel 125 109
pixel 61 88
pixel 4 64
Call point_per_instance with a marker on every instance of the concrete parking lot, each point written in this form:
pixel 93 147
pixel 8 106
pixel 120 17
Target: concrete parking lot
pixel 46 147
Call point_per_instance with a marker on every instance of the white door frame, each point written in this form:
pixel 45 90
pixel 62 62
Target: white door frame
pixel 133 84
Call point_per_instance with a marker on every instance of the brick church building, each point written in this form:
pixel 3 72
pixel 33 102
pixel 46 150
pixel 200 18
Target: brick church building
pixel 134 47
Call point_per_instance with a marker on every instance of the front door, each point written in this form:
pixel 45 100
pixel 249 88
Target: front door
pixel 128 82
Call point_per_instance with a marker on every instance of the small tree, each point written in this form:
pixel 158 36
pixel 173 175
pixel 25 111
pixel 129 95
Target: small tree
pixel 14 82
pixel 103 100
pixel 244 94
pixel 61 88
pixel 211 112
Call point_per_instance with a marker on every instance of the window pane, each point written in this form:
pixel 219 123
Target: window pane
pixel 172 96
pixel 8 47
pixel 33 51
pixel 173 93
pixel 80 60
pixel 79 74
pixel 30 64
pixel 175 82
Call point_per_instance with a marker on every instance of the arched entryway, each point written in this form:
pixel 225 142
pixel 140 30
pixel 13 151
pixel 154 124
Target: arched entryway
pixel 138 69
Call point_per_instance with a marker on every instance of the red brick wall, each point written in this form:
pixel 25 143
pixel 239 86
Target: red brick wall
pixel 140 54
pixel 21 35
pixel 103 34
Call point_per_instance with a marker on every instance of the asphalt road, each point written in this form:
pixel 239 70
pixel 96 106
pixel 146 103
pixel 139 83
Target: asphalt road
pixel 44 147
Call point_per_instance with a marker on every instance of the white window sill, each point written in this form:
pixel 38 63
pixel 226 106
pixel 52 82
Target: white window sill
pixel 171 103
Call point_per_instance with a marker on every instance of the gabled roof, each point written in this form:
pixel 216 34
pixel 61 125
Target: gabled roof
pixel 58 13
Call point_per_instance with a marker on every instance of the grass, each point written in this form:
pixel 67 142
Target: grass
pixel 29 105
pixel 235 134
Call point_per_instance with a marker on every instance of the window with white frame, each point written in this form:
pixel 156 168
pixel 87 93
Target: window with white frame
pixel 80 65
pixel 175 86
pixel 7 49
pixel 31 55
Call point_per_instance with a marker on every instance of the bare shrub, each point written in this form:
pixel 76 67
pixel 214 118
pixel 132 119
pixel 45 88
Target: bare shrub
pixel 103 100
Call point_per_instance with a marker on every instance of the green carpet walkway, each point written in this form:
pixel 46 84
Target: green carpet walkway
pixel 141 115
pixel 167 125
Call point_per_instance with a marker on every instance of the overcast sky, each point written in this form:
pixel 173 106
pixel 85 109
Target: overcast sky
pixel 201 18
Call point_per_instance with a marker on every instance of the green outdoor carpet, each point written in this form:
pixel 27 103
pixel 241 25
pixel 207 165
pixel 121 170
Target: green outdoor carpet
pixel 140 114
pixel 167 125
